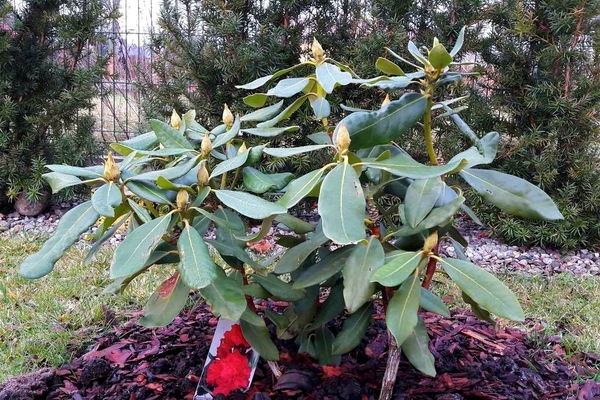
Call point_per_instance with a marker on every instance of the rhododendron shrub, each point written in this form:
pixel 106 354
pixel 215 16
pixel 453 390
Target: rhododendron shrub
pixel 181 179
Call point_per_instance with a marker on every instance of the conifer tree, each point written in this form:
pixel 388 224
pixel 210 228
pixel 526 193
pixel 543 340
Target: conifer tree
pixel 48 81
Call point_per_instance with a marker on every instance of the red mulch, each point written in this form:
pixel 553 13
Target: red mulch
pixel 473 362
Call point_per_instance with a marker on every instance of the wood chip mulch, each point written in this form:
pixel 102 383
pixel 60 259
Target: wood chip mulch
pixel 473 361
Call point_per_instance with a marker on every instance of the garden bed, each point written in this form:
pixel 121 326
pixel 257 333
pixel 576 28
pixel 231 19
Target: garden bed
pixel 473 361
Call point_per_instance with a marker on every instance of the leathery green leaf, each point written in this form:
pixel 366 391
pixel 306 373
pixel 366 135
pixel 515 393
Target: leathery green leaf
pixel 259 338
pixel 225 297
pixel 169 136
pixel 249 205
pixel 196 267
pixel 230 164
pixel 263 114
pixel 288 87
pixel 403 165
pixel 512 194
pixel 368 129
pixel 279 289
pixel 165 303
pixel 398 269
pixel 70 227
pixel 331 307
pixel 106 198
pixel 421 196
pixel 294 256
pixel 324 269
pixel 484 288
pixel 364 260
pixel 388 67
pixel 330 76
pixel 434 304
pixel 342 205
pixel 354 330
pixel 401 316
pixel 416 349
pixel 299 188
pixel 257 181
pixel 131 255
pixel 323 347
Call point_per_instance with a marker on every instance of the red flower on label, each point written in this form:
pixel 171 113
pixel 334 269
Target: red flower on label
pixel 229 373
pixel 232 339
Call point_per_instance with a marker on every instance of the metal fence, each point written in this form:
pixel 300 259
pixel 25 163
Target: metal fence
pixel 118 108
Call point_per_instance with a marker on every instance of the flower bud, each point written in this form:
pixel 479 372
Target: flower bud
pixel 386 101
pixel 175 120
pixel 227 116
pixel 111 169
pixel 203 175
pixel 317 50
pixel 206 146
pixel 242 148
pixel 342 139
pixel 183 199
pixel 431 242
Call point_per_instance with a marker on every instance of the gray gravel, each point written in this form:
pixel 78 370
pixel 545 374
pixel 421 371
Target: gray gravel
pixel 487 252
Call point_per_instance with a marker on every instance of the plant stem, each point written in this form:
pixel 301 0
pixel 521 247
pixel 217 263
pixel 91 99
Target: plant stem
pixel 427 125
pixel 236 176
pixel 391 369
pixel 223 180
pixel 431 267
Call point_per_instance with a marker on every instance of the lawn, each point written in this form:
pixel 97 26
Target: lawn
pixel 46 322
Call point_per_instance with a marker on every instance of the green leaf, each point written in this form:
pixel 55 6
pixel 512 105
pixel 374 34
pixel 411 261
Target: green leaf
pixel 329 76
pixel 299 188
pixel 165 303
pixel 432 303
pixel 397 269
pixel 342 205
pixel 169 173
pixel 263 114
pixel 439 57
pixel 70 227
pixel 132 254
pixel 439 216
pixel 260 339
pixel 513 195
pixel 414 51
pixel 324 347
pixel 363 261
pixel 354 330
pixel 230 164
pixel 279 289
pixel 484 288
pixel 388 67
pixel 289 87
pixel 255 84
pixel 106 198
pixel 292 151
pixel 321 108
pixel 270 132
pixel 324 269
pixel 150 192
pixel 166 184
pixel 483 153
pixel 141 142
pixel 256 100
pixel 368 129
pixel 285 114
pixel 296 224
pixel 249 205
pixel 256 181
pixel 479 312
pixel 294 256
pixel 196 267
pixel 228 135
pixel 225 297
pixel 332 307
pixel 416 350
pixel 89 172
pixel 403 165
pixel 420 199
pixel 459 42
pixel 59 181
pixel 401 317
pixel 169 136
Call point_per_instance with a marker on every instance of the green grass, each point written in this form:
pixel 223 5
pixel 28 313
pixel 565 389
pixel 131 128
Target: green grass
pixel 563 305
pixel 46 321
